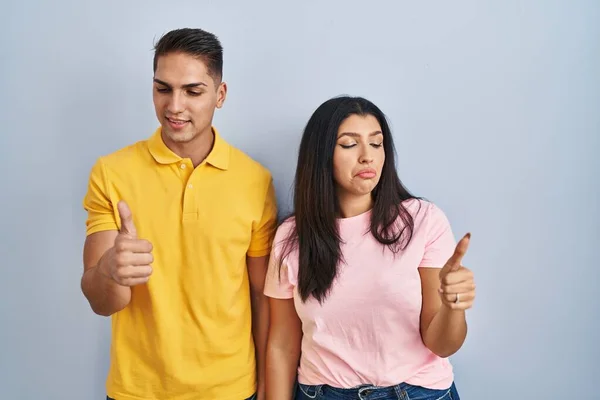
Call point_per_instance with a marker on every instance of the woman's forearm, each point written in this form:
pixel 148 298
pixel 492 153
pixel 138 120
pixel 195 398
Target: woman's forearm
pixel 447 332
pixel 282 366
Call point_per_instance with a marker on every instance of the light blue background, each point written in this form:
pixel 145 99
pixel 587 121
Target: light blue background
pixel 495 107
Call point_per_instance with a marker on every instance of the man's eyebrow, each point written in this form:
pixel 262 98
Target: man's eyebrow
pixel 186 86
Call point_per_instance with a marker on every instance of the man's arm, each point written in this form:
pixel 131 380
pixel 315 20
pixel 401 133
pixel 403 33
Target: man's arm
pixel 105 296
pixel 257 270
pixel 113 262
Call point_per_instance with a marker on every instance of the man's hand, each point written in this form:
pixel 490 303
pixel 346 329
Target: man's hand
pixel 129 261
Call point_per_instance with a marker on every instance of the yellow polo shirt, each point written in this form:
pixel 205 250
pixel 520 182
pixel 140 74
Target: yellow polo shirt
pixel 186 333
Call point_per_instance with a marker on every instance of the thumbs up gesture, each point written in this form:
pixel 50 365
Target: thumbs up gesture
pixel 457 287
pixel 130 258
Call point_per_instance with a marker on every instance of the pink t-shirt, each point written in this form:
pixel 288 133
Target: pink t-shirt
pixel 367 330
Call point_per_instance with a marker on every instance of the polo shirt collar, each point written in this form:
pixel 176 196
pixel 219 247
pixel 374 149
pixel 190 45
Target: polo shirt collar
pixel 218 156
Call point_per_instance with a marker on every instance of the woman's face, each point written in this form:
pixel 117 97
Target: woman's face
pixel 358 156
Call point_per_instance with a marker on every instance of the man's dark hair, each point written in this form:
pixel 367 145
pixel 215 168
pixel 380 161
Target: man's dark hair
pixel 194 42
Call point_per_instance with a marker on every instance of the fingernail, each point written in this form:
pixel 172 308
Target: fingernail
pixel 468 235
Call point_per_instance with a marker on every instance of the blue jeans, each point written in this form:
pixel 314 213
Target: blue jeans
pixel 402 391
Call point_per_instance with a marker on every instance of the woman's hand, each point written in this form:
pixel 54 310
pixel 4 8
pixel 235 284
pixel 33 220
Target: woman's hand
pixel 457 287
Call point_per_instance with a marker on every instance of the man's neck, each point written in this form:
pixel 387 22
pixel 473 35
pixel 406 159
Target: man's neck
pixel 196 149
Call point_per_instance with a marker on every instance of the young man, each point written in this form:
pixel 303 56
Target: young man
pixel 179 230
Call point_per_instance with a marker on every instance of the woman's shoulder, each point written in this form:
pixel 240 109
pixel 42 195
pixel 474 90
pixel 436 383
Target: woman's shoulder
pixel 423 210
pixel 284 243
pixel 285 228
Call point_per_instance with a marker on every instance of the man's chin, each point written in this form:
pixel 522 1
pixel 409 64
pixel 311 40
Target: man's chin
pixel 179 137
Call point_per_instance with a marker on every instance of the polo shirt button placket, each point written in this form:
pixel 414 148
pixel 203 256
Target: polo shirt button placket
pixel 189 201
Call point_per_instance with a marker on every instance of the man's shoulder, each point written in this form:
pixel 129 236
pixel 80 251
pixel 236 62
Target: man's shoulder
pixel 243 163
pixel 126 155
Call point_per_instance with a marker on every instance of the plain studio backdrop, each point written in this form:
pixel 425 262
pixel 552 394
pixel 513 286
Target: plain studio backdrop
pixel 495 109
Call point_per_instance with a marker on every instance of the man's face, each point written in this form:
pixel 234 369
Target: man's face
pixel 185 97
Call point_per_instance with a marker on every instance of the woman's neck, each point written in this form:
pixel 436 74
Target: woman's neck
pixel 351 206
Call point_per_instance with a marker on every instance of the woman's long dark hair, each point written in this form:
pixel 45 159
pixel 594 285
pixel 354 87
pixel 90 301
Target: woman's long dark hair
pixel 316 207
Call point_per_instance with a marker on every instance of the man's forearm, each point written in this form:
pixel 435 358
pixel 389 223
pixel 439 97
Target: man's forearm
pixel 260 331
pixel 447 332
pixel 105 296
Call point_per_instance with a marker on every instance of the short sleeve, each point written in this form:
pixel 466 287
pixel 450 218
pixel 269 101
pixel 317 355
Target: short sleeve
pixel 97 202
pixel 277 282
pixel 264 230
pixel 439 241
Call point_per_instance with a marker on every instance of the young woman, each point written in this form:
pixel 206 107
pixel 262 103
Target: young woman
pixel 367 291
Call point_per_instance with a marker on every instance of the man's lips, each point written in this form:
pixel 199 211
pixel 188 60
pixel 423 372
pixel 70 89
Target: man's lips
pixel 177 123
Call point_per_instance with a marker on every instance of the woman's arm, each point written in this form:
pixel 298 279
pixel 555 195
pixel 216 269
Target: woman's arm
pixel 443 321
pixel 283 349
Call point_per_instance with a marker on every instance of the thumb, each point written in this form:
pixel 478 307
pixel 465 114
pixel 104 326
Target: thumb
pixel 454 262
pixel 127 226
